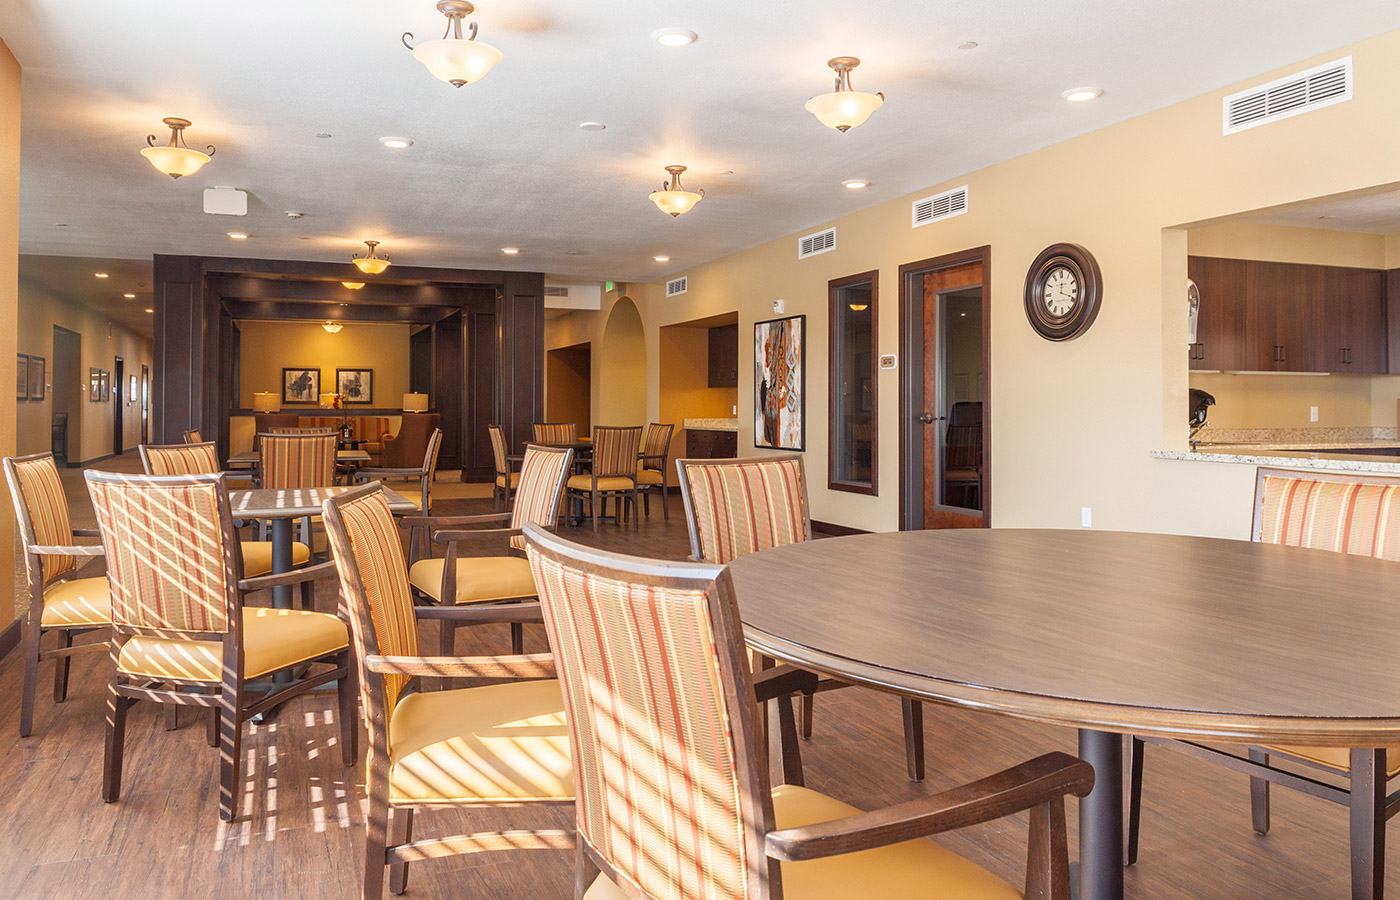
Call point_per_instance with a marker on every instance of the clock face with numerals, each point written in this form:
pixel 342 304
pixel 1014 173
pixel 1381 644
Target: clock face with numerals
pixel 1062 292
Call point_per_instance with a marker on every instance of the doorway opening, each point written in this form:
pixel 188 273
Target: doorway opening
pixel 119 393
pixel 68 383
pixel 145 404
pixel 568 381
pixel 945 343
pixel 698 378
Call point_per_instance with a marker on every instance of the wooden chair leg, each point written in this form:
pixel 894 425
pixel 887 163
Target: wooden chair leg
pixel 517 637
pixel 1367 823
pixel 646 503
pixel 230 750
pixel 914 737
pixel 308 595
pixel 585 871
pixel 665 504
pixel 1259 794
pixel 447 638
pixel 787 742
pixel 593 508
pixel 60 669
pixel 376 833
pixel 401 821
pixel 116 739
pixel 211 728
pixel 636 508
pixel 172 717
pixel 32 636
pixel 1136 752
pixel 347 693
pixel 1047 855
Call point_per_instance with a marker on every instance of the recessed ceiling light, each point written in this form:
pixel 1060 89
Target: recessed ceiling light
pixel 99 274
pixel 1082 94
pixel 396 143
pixel 238 235
pixel 510 251
pixel 968 45
pixel 592 126
pixel 855 184
pixel 662 258
pixel 673 37
pixel 129 296
pixel 149 310
pixel 353 285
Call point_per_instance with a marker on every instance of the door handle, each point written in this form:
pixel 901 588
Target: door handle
pixel 930 418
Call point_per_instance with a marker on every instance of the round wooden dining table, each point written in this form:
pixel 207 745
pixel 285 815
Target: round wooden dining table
pixel 1110 633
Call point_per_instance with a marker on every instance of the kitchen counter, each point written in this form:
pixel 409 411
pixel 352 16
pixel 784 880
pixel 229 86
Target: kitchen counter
pixel 1337 448
pixel 710 424
pixel 1288 459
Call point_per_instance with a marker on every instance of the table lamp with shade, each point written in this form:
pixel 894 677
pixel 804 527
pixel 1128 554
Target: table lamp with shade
pixel 265 402
pixel 415 403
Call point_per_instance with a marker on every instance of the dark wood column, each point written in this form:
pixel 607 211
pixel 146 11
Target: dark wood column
pixel 521 324
pixel 177 382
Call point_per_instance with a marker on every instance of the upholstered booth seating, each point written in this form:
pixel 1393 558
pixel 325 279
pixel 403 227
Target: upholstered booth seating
pixel 58 602
pixel 181 632
pixel 651 467
pixel 494 571
pixel 507 479
pixel 613 473
pixel 673 795
pixel 735 507
pixel 499 745
pixel 1343 512
pixel 406 448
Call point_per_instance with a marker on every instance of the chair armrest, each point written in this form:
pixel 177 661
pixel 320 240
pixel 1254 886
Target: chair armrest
pixel 1031 784
pixel 485 613
pixel 452 537
pixel 296 576
pixel 431 521
pixel 643 457
pixel 68 550
pixel 383 472
pixel 534 665
pixel 780 681
pixel 86 532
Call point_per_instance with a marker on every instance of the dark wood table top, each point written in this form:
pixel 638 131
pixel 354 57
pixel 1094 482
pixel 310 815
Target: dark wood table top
pixel 262 504
pixel 1148 633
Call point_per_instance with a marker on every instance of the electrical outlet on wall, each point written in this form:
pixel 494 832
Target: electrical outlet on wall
pixel 1312 414
pixel 1086 517
pixel 733 410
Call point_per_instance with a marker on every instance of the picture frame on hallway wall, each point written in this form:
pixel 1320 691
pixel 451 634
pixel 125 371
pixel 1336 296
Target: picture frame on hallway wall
pixel 355 385
pixel 780 383
pixel 36 377
pixel 301 385
pixel 106 385
pixel 22 377
pixel 131 392
pixel 95 385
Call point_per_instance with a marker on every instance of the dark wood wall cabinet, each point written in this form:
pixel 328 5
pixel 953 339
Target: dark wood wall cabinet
pixel 702 443
pixel 724 356
pixel 1290 317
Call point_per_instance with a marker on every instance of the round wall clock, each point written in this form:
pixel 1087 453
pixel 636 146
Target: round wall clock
pixel 1062 292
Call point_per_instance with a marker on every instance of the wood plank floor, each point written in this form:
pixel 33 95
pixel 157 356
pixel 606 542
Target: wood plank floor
pixel 300 831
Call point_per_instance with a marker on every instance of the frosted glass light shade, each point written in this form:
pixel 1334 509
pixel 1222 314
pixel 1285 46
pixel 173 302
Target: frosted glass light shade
pixel 415 403
pixel 675 202
pixel 175 161
pixel 371 266
pixel 265 402
pixel 844 110
pixel 457 61
pixel 327 401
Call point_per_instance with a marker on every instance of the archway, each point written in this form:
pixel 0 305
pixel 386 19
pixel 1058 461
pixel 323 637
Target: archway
pixel 622 368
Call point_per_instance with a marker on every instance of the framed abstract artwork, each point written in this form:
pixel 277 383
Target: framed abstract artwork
pixel 780 383
pixel 22 377
pixel 36 377
pixel 131 390
pixel 355 385
pixel 106 385
pixel 301 385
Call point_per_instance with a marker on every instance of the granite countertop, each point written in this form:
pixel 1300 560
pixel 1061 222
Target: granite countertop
pixel 1318 438
pixel 710 424
pixel 1300 459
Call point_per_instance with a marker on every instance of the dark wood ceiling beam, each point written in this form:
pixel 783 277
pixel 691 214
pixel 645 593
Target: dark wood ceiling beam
pixel 239 287
pixel 287 309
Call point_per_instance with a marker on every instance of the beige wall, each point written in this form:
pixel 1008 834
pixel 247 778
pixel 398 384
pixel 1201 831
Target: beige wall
pixel 1276 243
pixel 9 293
pixel 684 383
pixel 90 425
pixel 268 347
pixel 567 395
pixel 622 369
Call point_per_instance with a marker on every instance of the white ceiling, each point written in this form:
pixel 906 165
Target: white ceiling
pixel 503 162
pixel 1369 214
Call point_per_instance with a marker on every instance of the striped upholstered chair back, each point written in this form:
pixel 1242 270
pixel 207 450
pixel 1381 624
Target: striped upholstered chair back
pixel 180 459
pixel 542 475
pixel 192 437
pixel 303 429
pixel 615 451
pixel 172 557
pixel 295 461
pixel 668 797
pixel 657 447
pixel 556 432
pixel 369 558
pixel 735 507
pixel 1344 512
pixel 499 452
pixel 42 509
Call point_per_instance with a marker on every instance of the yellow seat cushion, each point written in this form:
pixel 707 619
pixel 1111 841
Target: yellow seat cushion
pixel 615 483
pixel 81 601
pixel 917 868
pixel 479 578
pixel 1338 757
pixel 500 742
pixel 272 639
pixel 257 557
pixel 648 476
pixel 514 480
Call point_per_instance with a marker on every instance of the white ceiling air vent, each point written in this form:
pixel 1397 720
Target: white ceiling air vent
pixel 556 290
pixel 940 206
pixel 812 244
pixel 1304 92
pixel 676 286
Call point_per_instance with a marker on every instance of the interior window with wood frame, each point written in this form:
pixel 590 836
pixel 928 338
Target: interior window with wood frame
pixel 853 425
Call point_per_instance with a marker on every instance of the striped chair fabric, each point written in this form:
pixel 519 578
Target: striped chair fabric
pixel 168 562
pixel 176 459
pixel 537 499
pixel 556 432
pixel 1345 517
pixel 304 429
pixel 295 461
pixel 657 444
pixel 615 451
pixel 377 560
pixel 48 510
pixel 657 789
pixel 748 505
pixel 499 451
pixel 192 437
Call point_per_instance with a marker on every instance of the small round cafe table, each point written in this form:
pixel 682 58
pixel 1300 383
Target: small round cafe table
pixel 1109 633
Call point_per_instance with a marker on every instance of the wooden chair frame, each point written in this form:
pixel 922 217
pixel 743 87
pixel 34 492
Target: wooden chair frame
pixel 228 700
pixel 500 493
pixel 912 710
pixel 192 437
pixel 656 463
pixel 423 473
pixel 1039 785
pixel 1365 793
pixel 389 825
pixel 34 631
pixel 597 497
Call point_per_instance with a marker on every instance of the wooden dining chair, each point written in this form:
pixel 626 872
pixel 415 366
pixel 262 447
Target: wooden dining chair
pixel 192 437
pixel 612 474
pixel 1340 512
pixel 297 460
pixel 673 796
pixel 423 474
pixel 499 746
pixel 484 578
pixel 302 429
pixel 58 602
pixel 651 468
pixel 507 479
pixel 734 507
pixel 181 632
pixel 555 432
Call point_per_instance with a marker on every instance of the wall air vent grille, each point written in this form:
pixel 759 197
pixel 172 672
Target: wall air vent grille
pixel 812 244
pixel 1317 87
pixel 676 286
pixel 940 206
pixel 556 290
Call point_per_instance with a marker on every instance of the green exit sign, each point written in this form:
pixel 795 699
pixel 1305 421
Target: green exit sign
pixel 607 285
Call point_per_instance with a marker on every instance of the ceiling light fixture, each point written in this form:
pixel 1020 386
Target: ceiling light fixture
pixel 176 159
pixel 370 264
pixel 332 327
pixel 593 126
pixel 238 235
pixel 1082 94
pixel 674 37
pixel 855 184
pixel 452 59
pixel 129 296
pixel 674 199
pixel 150 310
pixel 662 258
pixel 353 285
pixel 845 107
pixel 858 307
pixel 510 251
pixel 396 143
pixel 99 274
